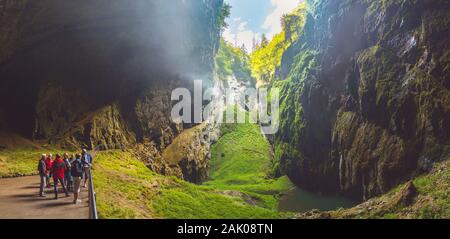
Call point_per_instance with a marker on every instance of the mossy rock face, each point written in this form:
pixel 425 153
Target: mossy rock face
pixel 366 104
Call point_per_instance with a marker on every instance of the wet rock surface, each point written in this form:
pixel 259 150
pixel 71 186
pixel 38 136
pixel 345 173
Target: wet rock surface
pixel 369 85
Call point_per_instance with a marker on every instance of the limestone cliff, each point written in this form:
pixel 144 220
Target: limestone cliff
pixel 369 85
pixel 100 73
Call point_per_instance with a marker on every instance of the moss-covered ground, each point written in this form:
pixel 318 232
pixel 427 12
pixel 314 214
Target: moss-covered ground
pixel 241 161
pixel 22 161
pixel 127 189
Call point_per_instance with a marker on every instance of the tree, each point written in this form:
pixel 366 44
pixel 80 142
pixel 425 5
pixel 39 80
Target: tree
pixel 264 41
pixel 244 49
pixel 233 61
pixel 266 58
pixel 224 13
pixel 254 43
pixel 293 23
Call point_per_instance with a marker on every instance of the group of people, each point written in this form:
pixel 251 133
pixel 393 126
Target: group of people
pixel 67 171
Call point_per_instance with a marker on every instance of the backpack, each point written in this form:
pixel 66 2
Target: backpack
pixel 77 168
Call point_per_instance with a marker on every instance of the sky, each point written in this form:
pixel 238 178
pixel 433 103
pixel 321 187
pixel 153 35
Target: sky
pixel 252 18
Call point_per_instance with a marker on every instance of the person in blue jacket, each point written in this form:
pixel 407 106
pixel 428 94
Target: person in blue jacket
pixel 86 161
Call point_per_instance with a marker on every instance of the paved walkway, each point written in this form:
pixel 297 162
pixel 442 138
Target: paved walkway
pixel 19 198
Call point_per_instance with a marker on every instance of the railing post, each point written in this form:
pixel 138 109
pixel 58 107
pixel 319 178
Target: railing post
pixel 92 198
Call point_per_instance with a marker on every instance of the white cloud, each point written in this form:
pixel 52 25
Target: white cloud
pixel 242 26
pixel 238 33
pixel 273 21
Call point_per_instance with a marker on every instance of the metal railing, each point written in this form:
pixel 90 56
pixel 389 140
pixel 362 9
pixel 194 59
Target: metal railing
pixel 92 198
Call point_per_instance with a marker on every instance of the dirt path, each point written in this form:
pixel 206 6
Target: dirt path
pixel 19 199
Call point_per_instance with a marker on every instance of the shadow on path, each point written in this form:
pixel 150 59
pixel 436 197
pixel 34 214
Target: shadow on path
pixel 19 198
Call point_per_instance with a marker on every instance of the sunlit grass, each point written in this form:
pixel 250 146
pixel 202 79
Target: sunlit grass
pixel 21 161
pixel 241 161
pixel 126 188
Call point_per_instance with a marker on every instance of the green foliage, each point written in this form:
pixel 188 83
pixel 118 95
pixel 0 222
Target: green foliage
pixel 224 13
pixel 264 41
pixel 266 58
pixel 232 61
pixel 294 22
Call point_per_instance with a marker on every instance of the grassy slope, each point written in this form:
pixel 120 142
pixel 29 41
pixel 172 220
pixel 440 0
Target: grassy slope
pixel 241 161
pixel 127 189
pixel 21 161
pixel 18 162
pixel 432 200
pixel 434 193
pixel 238 187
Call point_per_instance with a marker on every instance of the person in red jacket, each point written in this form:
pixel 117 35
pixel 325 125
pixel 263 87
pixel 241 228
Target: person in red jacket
pixel 48 169
pixel 58 168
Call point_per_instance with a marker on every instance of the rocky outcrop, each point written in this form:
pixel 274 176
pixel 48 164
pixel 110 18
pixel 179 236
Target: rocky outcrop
pixel 406 195
pixel 187 157
pixel 369 86
pixel 100 73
